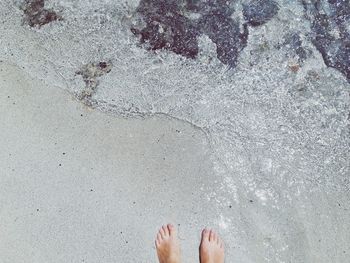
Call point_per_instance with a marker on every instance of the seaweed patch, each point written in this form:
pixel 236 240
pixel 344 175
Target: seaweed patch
pixel 35 13
pixel 90 73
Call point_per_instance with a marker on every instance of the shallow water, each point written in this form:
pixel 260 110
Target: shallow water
pixel 273 102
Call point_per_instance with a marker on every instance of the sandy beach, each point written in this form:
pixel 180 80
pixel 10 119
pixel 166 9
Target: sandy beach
pixel 119 116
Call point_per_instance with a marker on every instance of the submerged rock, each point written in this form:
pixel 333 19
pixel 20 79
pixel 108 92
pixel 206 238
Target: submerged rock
pixel 225 33
pixel 295 44
pixel 167 28
pixel 222 7
pixel 35 13
pixel 258 12
pixel 335 48
pixel 335 53
pixel 340 13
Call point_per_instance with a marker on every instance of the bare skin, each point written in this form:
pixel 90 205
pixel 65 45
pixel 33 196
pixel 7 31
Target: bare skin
pixel 211 249
pixel 168 245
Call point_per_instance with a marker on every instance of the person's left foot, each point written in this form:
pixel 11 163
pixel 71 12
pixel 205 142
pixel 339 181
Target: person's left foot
pixel 167 244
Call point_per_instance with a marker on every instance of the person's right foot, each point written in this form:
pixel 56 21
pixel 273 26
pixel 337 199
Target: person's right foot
pixel 211 249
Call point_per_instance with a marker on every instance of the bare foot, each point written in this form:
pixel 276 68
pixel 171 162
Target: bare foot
pixel 211 249
pixel 167 244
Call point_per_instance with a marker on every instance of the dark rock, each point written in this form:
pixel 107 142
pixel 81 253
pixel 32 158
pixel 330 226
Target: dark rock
pixel 335 53
pixel 335 49
pixel 193 5
pixel 340 9
pixel 295 43
pixel 225 33
pixel 167 28
pixel 258 12
pixel 204 7
pixel 34 6
pixel 36 15
pixel 340 13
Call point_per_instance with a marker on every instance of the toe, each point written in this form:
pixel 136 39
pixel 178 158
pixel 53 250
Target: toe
pixel 211 235
pixel 205 234
pixel 172 229
pixel 215 237
pixel 161 232
pixel 165 230
pixel 222 246
pixel 157 243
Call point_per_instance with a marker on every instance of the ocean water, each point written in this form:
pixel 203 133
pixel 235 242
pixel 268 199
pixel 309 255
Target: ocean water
pixel 267 81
